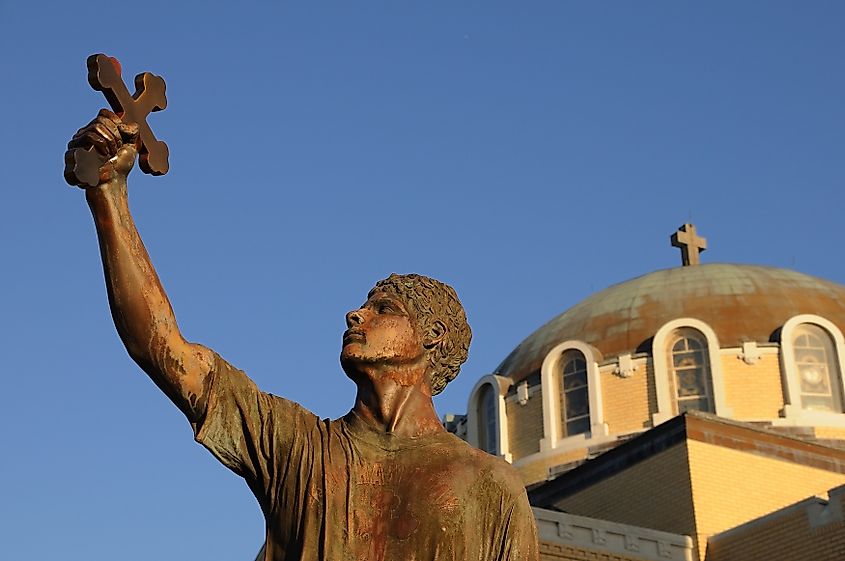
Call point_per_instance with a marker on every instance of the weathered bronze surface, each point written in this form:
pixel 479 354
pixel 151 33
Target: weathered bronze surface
pixel 386 481
pixel 82 164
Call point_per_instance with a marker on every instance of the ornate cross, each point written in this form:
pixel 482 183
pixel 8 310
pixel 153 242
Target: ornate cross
pixel 690 243
pixel 81 165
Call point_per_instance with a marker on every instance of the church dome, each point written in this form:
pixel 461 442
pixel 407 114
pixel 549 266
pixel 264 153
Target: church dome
pixel 741 303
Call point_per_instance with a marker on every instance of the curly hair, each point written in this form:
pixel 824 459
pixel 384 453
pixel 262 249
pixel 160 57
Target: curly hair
pixel 429 301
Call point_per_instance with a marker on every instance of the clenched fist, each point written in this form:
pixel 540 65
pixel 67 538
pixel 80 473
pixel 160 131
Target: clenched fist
pixel 113 139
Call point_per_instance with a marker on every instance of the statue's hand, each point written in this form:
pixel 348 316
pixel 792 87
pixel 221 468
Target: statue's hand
pixel 114 140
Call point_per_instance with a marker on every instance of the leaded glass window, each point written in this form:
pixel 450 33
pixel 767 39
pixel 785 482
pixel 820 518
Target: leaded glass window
pixel 818 372
pixel 575 410
pixel 487 434
pixel 691 371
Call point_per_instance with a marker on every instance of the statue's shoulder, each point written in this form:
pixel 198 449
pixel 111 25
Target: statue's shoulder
pixel 234 383
pixel 482 465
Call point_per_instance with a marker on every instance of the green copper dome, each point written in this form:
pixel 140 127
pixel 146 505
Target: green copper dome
pixel 740 302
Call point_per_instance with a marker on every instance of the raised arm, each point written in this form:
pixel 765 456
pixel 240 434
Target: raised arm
pixel 139 306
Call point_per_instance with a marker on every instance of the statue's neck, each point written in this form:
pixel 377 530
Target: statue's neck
pixel 388 406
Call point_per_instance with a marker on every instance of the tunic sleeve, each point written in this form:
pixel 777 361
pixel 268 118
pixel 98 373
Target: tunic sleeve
pixel 520 543
pixel 253 433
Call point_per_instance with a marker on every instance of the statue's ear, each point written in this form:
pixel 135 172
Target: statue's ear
pixel 435 333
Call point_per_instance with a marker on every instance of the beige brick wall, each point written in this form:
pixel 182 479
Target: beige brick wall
pixel 538 469
pixel 782 536
pixel 830 432
pixel 753 391
pixel 731 487
pixel 725 487
pixel 525 425
pixel 629 402
pixel 654 493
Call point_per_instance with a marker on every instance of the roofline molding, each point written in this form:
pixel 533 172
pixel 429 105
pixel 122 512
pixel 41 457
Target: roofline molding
pixel 692 425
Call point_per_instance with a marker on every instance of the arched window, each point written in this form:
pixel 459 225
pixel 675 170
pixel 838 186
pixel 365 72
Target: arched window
pixel 572 396
pixel 487 435
pixel 487 416
pixel 575 417
pixel 818 371
pixel 687 370
pixel 690 365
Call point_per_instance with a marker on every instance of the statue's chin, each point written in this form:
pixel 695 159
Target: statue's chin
pixel 354 357
pixel 352 366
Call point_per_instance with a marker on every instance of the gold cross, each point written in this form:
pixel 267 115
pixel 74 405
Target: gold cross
pixel 690 243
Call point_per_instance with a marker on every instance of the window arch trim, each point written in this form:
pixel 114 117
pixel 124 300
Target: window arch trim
pixel 550 383
pixel 792 409
pixel 662 371
pixel 499 386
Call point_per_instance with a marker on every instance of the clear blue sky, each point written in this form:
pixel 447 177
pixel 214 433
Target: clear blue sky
pixel 528 153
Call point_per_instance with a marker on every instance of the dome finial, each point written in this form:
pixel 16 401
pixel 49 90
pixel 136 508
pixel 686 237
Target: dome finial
pixel 690 243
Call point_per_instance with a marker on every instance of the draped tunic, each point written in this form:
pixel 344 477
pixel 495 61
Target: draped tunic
pixel 341 490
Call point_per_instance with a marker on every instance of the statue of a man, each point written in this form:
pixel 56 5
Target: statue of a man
pixel 386 482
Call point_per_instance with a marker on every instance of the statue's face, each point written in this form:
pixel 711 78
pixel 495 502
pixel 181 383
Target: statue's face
pixel 382 332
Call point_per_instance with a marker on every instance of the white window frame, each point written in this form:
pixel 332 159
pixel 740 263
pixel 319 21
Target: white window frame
pixel 662 370
pixel 499 386
pixel 550 379
pixel 793 413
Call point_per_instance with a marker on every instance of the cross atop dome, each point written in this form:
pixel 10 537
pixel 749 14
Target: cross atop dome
pixel 690 244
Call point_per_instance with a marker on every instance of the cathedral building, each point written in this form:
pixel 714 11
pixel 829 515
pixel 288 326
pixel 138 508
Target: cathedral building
pixel 693 413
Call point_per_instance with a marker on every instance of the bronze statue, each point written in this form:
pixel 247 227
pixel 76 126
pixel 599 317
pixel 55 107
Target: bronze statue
pixel 386 482
pixel 104 75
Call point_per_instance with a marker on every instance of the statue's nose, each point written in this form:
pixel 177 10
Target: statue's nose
pixel 354 318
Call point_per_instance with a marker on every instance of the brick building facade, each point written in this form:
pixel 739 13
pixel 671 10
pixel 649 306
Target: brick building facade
pixel 705 402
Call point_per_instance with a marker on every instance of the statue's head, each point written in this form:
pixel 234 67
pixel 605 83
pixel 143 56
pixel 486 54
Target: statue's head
pixel 430 322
